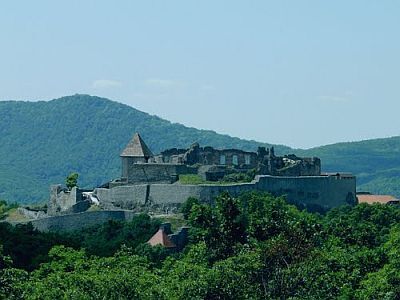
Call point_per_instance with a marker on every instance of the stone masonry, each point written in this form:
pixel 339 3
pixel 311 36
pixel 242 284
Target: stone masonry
pixel 149 183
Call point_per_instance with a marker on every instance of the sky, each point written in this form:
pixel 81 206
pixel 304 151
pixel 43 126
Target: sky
pixel 299 73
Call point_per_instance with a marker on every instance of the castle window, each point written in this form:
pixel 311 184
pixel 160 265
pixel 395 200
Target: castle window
pixel 247 159
pixel 222 160
pixel 235 160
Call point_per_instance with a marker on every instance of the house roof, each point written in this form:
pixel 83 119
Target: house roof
pixel 161 238
pixel 137 148
pixel 368 198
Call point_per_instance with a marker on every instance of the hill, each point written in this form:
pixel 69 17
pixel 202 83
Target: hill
pixel 42 142
pixel 375 162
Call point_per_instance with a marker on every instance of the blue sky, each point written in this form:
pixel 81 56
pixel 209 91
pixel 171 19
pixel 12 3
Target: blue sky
pixel 300 73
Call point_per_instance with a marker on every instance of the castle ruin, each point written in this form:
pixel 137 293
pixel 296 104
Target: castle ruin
pixel 150 183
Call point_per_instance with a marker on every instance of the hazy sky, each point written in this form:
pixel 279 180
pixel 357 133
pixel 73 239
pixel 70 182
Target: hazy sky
pixel 300 73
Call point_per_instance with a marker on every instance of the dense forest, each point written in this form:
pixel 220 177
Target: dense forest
pixel 42 142
pixel 255 246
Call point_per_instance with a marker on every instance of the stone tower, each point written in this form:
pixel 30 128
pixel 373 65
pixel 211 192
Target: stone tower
pixel 136 152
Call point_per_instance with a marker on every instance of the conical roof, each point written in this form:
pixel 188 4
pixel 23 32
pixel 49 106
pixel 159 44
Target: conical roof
pixel 161 238
pixel 137 148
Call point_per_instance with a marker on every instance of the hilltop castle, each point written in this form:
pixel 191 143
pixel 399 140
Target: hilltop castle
pixel 139 165
pixel 151 182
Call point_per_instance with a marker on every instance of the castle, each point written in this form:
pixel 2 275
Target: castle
pixel 151 183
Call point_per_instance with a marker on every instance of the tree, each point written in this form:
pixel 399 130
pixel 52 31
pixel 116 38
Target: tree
pixel 187 206
pixel 71 180
pixel 10 278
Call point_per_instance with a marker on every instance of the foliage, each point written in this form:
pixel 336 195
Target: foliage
pixel 255 246
pixel 72 180
pixel 186 207
pixel 10 278
pixel 28 248
pixel 5 208
pixel 72 274
pixel 238 177
pixel 375 162
pixel 43 141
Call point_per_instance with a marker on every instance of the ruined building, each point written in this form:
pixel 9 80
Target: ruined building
pixel 139 165
pixel 151 182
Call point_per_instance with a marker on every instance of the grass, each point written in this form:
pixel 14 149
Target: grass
pixel 191 179
pixel 13 215
pixel 197 179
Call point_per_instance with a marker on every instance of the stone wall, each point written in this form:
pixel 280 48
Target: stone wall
pixel 325 191
pixel 154 172
pixel 80 220
pixel 130 197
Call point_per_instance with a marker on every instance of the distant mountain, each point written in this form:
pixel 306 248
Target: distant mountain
pixel 42 142
pixel 375 162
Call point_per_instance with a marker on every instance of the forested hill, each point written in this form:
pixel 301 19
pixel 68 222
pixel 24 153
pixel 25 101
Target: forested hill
pixel 42 142
pixel 375 162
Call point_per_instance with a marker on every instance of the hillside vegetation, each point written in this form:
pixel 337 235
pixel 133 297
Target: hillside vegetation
pixel 375 162
pixel 42 142
pixel 255 246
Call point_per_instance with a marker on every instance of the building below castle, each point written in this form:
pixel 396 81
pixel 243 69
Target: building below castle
pixel 150 183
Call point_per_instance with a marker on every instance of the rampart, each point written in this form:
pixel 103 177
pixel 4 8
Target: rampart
pixel 81 220
pixel 325 191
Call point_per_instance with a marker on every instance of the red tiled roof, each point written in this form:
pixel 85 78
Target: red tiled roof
pixel 161 238
pixel 368 198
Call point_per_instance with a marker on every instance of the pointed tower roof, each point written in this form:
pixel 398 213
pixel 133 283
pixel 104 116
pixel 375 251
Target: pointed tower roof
pixel 137 148
pixel 161 238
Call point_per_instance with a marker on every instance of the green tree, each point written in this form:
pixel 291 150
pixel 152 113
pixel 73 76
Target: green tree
pixel 73 274
pixel 10 279
pixel 187 206
pixel 71 180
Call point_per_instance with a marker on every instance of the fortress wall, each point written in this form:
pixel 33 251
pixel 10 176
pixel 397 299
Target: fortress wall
pixel 327 191
pixel 80 220
pixel 166 195
pixel 146 173
pixel 161 194
pixel 124 197
pixel 209 192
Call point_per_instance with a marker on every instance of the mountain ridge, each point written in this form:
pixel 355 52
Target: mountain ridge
pixel 42 142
